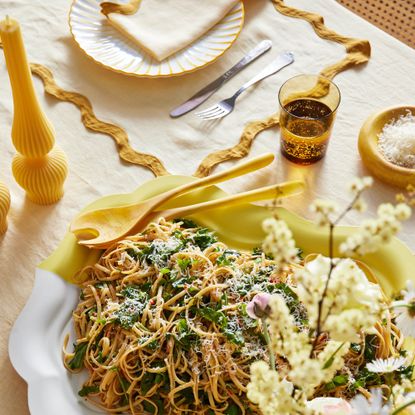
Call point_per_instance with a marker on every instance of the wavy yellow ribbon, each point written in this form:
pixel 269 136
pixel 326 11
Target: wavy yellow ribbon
pixel 90 121
pixel 358 52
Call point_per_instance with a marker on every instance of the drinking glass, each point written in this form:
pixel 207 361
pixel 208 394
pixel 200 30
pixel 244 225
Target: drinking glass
pixel 308 105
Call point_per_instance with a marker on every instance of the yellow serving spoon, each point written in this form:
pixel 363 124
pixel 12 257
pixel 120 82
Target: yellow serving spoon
pixel 276 191
pixel 103 226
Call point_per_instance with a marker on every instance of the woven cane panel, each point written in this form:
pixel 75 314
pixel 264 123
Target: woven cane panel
pixel 397 17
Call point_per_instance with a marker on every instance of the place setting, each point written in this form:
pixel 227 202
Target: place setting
pixel 290 292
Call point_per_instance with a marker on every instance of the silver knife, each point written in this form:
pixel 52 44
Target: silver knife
pixel 208 90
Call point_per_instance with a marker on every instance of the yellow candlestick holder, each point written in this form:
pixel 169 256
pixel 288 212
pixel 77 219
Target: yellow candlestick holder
pixel 4 207
pixel 40 168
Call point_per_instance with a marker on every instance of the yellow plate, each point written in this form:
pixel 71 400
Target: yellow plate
pixel 368 147
pixel 240 228
pixel 111 49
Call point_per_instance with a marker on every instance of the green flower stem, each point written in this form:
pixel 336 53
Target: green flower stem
pixel 331 359
pixel 397 411
pixel 268 341
pixel 389 382
pixel 332 226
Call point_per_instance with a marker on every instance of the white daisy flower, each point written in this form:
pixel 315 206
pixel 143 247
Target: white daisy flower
pixel 372 406
pixel 386 365
pixel 405 311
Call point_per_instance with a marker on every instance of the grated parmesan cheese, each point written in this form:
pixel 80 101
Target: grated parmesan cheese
pixel 397 141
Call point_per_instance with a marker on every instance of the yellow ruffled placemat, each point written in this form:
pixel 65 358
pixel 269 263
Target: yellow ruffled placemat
pixel 357 53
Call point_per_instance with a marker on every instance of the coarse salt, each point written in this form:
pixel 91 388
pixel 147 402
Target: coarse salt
pixel 397 141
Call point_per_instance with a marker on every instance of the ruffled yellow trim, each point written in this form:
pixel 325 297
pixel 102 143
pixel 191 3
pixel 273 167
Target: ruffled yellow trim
pixel 91 122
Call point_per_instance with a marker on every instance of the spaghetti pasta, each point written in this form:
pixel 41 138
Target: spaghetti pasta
pixel 161 323
pixel 161 326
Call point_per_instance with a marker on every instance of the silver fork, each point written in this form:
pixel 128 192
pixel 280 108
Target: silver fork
pixel 225 107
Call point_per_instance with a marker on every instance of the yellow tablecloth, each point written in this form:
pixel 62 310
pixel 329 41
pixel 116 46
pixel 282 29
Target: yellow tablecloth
pixel 142 107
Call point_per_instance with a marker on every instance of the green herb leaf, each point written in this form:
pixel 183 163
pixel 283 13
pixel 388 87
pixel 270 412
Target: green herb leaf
pixel 406 372
pixel 329 386
pixel 371 345
pixel 86 390
pixel 223 301
pixel 124 386
pixel 124 383
pixel 132 307
pixel 186 223
pixel 183 263
pixel 340 380
pixel 186 337
pixel 155 403
pixel 180 283
pixel 78 360
pixel 203 238
pixel 227 257
pixel 193 290
pixel 214 316
pixel 235 337
pixel 233 409
pixel 153 345
pixel 134 253
pixel 159 252
pixel 147 382
pixel 366 379
pixel 101 285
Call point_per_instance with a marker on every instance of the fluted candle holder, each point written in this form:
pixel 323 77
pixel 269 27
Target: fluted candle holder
pixel 4 207
pixel 41 167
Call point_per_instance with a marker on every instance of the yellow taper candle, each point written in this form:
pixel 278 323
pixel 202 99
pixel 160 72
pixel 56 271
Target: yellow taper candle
pixel 40 168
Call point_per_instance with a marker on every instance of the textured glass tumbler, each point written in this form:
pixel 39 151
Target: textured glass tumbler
pixel 308 105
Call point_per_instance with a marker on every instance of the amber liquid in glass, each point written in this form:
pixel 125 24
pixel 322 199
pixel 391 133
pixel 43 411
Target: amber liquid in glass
pixel 305 130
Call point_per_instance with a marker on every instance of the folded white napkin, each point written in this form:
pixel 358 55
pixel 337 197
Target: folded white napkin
pixel 163 27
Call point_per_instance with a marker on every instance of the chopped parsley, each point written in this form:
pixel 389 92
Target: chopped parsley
pixel 203 238
pixel 227 257
pixel 186 223
pixel 159 252
pixel 212 315
pixel 365 379
pixel 183 263
pixel 186 337
pixel 131 309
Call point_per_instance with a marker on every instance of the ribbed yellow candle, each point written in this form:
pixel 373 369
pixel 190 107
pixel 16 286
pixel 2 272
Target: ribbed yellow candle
pixel 4 207
pixel 40 171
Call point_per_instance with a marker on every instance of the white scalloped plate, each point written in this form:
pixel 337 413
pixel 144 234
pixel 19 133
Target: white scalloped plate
pixel 37 336
pixel 110 48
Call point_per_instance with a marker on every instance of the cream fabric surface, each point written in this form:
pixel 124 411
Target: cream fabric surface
pixel 142 107
pixel 163 27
